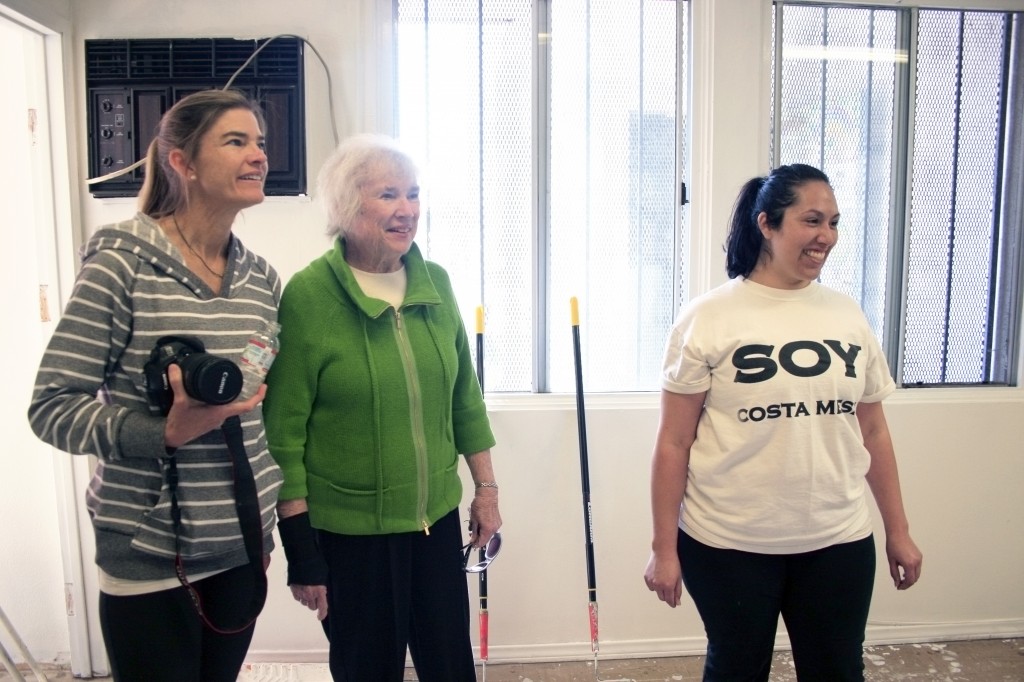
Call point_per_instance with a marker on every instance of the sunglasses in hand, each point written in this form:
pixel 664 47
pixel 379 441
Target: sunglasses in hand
pixel 490 550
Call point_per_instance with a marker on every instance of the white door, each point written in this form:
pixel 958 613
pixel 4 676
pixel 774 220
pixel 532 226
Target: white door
pixel 44 577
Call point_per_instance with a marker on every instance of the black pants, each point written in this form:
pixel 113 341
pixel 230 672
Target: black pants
pixel 389 592
pixel 823 597
pixel 158 637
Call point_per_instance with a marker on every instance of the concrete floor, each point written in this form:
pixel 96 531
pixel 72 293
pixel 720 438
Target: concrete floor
pixel 974 661
pixel 991 660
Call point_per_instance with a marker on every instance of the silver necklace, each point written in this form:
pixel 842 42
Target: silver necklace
pixel 219 275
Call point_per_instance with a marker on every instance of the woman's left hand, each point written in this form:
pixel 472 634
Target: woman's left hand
pixel 188 418
pixel 313 597
pixel 484 517
pixel 904 560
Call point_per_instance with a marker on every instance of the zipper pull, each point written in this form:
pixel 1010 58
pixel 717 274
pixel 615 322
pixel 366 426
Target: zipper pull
pixel 426 528
pixel 398 321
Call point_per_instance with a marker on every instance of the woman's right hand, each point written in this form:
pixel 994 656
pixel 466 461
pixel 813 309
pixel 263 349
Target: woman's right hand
pixel 188 418
pixel 664 577
pixel 304 560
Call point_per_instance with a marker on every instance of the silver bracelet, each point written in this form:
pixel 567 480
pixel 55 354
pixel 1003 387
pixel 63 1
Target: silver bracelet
pixel 487 484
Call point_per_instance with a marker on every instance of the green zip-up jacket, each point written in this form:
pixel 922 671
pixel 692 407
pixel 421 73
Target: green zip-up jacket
pixel 368 407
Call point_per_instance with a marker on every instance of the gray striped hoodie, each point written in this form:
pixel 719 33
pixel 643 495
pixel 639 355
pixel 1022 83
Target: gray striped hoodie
pixel 90 399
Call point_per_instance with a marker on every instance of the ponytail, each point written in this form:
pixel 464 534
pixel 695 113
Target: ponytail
pixel 744 243
pixel 160 189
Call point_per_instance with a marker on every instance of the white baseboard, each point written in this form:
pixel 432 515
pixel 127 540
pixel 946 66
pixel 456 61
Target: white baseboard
pixel 909 633
pixel 877 634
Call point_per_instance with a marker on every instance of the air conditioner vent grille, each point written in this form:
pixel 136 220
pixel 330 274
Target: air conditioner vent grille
pixel 149 60
pixel 191 59
pixel 156 60
pixel 106 59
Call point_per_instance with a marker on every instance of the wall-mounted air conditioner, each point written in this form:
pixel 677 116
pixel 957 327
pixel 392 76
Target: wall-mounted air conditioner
pixel 131 83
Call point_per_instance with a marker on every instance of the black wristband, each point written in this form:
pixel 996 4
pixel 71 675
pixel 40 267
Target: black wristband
pixel 306 566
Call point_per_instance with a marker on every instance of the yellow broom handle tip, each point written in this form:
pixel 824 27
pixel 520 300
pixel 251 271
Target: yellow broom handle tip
pixel 574 306
pixel 479 319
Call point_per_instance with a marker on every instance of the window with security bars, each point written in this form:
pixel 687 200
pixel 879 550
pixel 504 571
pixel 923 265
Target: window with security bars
pixel 548 139
pixel 913 114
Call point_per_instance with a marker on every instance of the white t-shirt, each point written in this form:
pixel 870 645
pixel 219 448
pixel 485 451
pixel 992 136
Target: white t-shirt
pixel 779 461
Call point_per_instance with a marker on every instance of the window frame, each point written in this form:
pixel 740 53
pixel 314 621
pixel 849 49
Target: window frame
pixel 546 312
pixel 1006 297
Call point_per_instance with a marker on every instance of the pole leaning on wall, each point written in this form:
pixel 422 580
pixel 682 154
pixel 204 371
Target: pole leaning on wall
pixel 588 518
pixel 5 658
pixel 484 625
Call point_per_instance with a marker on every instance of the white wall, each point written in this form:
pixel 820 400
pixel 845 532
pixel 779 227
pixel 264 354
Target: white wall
pixel 961 463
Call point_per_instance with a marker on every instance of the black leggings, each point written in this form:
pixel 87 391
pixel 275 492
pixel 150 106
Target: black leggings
pixel 823 597
pixel 158 637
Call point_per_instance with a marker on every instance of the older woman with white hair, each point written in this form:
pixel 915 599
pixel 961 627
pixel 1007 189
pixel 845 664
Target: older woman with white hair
pixel 371 400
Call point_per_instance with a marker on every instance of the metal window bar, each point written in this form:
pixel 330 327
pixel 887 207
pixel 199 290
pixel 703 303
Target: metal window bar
pixel 542 180
pixel 641 129
pixel 899 207
pixel 1006 306
pixel 950 238
pixel 480 141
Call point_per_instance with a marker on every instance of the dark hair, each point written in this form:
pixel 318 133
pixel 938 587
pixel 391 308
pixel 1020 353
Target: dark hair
pixel 770 195
pixel 182 127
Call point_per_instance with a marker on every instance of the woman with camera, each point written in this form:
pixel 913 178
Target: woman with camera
pixel 141 373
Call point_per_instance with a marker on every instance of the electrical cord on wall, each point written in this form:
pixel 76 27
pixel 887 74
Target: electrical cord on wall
pixel 330 101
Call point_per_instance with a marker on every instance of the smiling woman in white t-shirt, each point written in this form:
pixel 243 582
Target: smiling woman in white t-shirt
pixel 771 423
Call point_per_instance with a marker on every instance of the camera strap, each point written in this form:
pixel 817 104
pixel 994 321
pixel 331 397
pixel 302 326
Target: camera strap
pixel 247 507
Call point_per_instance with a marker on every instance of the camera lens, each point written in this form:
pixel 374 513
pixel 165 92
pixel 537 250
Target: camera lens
pixel 211 379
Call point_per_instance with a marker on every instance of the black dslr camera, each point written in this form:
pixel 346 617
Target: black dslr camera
pixel 208 378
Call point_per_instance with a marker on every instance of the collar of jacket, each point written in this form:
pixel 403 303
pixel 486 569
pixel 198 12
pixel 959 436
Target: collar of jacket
pixel 420 288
